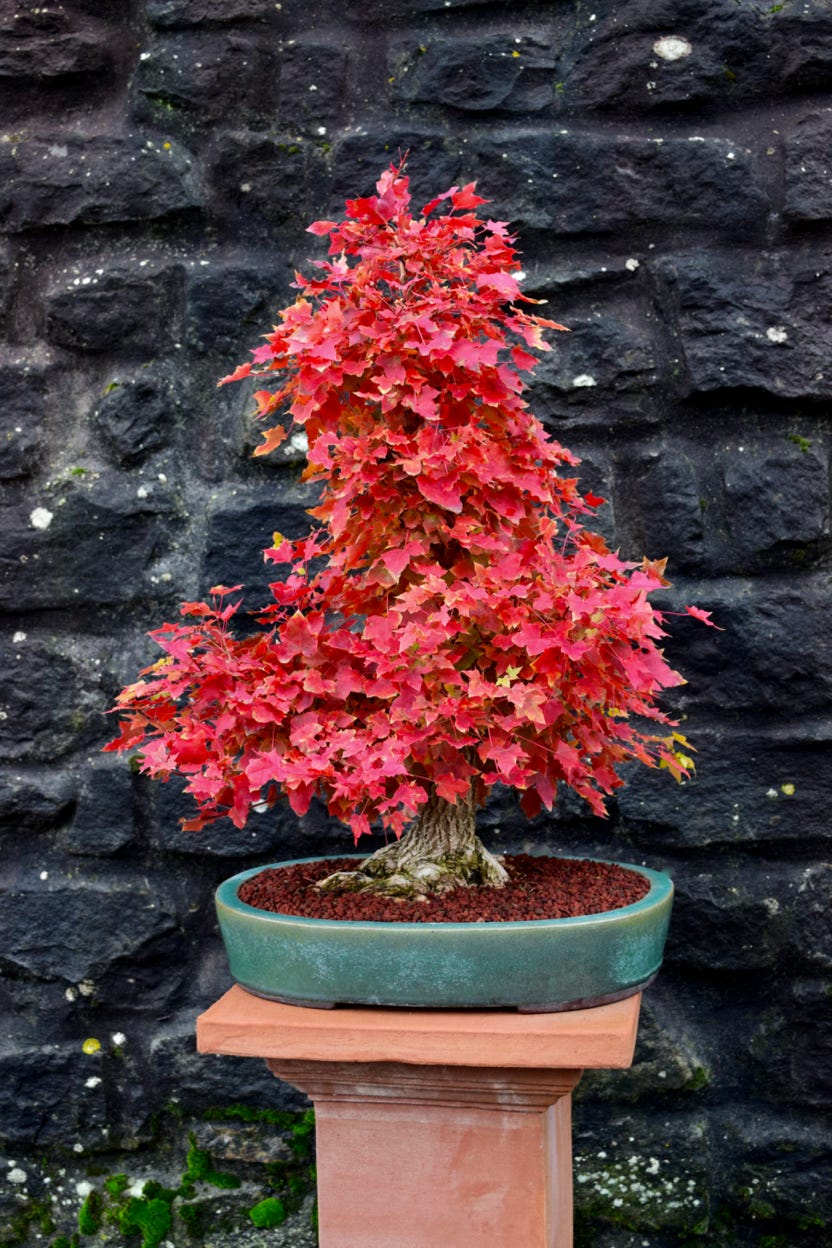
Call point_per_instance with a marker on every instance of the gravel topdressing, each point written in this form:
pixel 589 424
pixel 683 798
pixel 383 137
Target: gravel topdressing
pixel 539 888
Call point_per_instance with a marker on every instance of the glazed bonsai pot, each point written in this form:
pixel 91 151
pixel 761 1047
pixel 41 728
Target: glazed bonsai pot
pixel 539 965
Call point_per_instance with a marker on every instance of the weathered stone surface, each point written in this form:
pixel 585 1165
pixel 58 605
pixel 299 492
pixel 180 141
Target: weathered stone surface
pixel 237 534
pixel 104 820
pixel 75 929
pixel 107 304
pixel 259 182
pixel 173 13
pixel 584 182
pixel 200 1081
pixel 229 305
pixel 777 1162
pixel 22 437
pixel 657 56
pixel 42 44
pixel 776 511
pixel 603 352
pixel 506 71
pixel 33 802
pixel 46 703
pixel 312 81
pixel 751 320
pixel 92 542
pixel 667 1060
pixel 138 415
pixel 660 496
pixel 434 159
pixel 202 78
pixel 792 1054
pixel 46 1096
pixel 773 656
pixel 75 181
pixel 649 1173
pixel 749 788
pixel 808 171
pixel 727 919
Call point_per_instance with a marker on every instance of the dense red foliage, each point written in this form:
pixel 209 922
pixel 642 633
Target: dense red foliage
pixel 451 625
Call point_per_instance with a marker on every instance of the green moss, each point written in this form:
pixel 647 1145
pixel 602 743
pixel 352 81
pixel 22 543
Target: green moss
pixel 151 1217
pixel 803 444
pixel 200 1168
pixel 195 1218
pixel 699 1079
pixel 116 1184
pixel 89 1215
pixel 268 1213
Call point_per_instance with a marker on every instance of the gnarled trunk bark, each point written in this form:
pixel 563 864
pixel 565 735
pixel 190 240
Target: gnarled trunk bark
pixel 439 851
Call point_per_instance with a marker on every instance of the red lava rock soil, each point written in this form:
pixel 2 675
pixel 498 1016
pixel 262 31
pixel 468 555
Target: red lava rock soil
pixel 539 888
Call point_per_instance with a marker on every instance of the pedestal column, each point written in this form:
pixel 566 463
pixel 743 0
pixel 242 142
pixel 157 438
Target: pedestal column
pixel 435 1129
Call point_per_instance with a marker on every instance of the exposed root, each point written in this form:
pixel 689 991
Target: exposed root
pixel 439 851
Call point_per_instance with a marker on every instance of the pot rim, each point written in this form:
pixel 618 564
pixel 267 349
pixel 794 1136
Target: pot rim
pixel 661 890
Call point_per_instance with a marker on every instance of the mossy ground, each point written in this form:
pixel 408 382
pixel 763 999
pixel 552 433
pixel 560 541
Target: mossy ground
pixel 237 1174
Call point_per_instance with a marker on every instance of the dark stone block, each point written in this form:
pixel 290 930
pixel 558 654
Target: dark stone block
pixel 776 506
pixel 176 13
pixel 605 353
pixel 200 1081
pixel 808 169
pixel 229 306
pixel 753 322
pixel 94 181
pixel 434 162
pixel 207 78
pixel 508 72
pixel 778 1164
pixel 33 802
pixel 810 919
pixel 667 1060
pixel 801 43
pixel 774 655
pixel 238 534
pixel 653 1172
pixel 138 416
pixel 312 81
pixel 585 182
pixel 659 509
pixel 750 788
pixel 77 930
pixel 104 821
pixel 791 1050
pixel 260 182
pixel 725 919
pixel 47 704
pixel 132 309
pixel 23 386
pixel 42 44
pixel 47 1097
pixel 675 55
pixel 93 544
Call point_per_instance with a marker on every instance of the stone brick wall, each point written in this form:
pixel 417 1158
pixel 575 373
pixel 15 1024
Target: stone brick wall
pixel 667 167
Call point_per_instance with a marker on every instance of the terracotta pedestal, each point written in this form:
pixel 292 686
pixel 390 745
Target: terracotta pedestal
pixel 435 1129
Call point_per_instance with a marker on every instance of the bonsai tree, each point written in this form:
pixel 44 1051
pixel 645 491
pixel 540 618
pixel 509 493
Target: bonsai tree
pixel 451 624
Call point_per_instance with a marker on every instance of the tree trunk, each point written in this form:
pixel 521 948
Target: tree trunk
pixel 439 851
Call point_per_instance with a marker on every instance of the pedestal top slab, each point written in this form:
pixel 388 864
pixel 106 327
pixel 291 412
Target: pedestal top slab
pixel 243 1025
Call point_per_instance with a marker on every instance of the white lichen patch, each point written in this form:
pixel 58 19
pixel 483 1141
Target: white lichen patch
pixel 40 518
pixel 672 47
pixel 776 333
pixel 17 1175
pixel 640 1187
pixel 583 381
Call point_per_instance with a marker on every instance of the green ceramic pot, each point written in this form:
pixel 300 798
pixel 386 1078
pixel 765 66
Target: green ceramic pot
pixel 540 965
